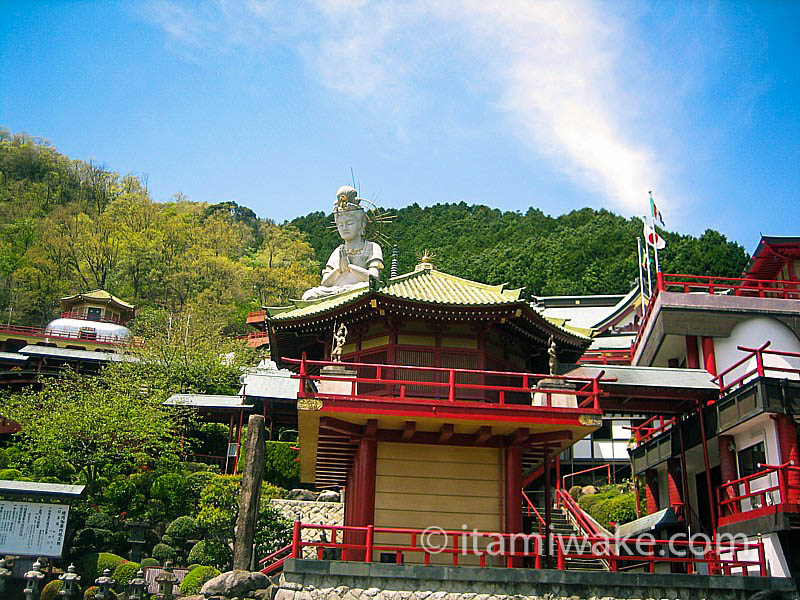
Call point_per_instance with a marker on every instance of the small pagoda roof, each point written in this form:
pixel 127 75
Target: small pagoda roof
pixel 99 296
pixel 426 286
pixel 763 263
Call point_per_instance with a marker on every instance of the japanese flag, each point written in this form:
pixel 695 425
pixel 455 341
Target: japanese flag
pixel 655 240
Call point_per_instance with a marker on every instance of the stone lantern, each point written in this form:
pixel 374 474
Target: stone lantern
pixel 166 580
pixel 69 589
pixel 136 586
pixel 33 580
pixel 136 538
pixel 104 583
pixel 5 573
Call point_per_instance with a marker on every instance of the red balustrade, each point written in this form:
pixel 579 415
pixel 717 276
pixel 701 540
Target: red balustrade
pixel 721 557
pixel 622 356
pixel 85 317
pixel 761 368
pixel 532 509
pixel 85 336
pixel 393 382
pixel 756 494
pixel 647 430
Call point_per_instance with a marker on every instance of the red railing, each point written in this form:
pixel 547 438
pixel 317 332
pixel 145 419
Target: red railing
pixel 606 466
pixel 275 561
pixel 254 336
pixel 55 334
pixel 393 382
pixel 532 509
pixel 736 286
pixel 775 480
pixel 583 521
pixel 646 431
pixel 85 317
pixel 761 368
pixel 256 316
pixel 359 544
pixel 622 356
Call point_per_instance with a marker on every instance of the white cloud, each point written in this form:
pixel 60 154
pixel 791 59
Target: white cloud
pixel 555 69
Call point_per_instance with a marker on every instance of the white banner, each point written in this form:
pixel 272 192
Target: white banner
pixel 32 528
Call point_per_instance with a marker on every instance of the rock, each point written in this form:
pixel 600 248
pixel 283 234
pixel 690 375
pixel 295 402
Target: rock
pixel 588 489
pixel 299 494
pixel 265 594
pixel 328 496
pixel 194 597
pixel 234 583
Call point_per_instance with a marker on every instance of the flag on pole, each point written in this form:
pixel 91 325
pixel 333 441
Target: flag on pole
pixel 657 216
pixel 651 237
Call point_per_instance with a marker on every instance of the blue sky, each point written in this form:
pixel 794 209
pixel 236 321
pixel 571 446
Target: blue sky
pixel 556 105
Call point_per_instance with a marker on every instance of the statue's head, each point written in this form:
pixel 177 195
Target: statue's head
pixel 350 218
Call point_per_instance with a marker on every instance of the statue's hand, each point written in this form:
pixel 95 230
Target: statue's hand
pixel 344 262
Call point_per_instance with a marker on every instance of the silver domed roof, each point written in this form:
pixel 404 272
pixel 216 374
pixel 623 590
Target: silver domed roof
pixel 88 330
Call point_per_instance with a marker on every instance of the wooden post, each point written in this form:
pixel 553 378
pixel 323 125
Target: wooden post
pixel 252 475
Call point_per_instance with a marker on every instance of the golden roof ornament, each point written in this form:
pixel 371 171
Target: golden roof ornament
pixel 426 261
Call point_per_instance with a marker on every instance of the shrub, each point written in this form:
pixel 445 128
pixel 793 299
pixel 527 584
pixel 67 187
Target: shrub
pixel 46 466
pixel 120 494
pixel 280 467
pixel 173 490
pixel 99 520
pixel 211 553
pixel 162 553
pixel 3 458
pixel 149 562
pixel 91 592
pixel 183 529
pixel 197 481
pixel 195 579
pixel 124 573
pixel 50 591
pixel 91 565
pixel 10 474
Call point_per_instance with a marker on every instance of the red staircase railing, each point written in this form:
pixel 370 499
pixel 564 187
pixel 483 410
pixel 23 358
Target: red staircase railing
pixel 738 497
pixel 761 367
pixel 274 562
pixel 606 466
pixel 452 385
pixel 533 510
pixel 583 521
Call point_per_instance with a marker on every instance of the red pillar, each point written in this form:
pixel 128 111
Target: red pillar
pixel 692 356
pixel 675 485
pixel 727 458
pixel 709 360
pixel 651 490
pixel 787 440
pixel 365 488
pixel 512 492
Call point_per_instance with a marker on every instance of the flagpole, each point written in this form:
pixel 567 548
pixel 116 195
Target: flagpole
pixel 655 233
pixel 647 254
pixel 641 273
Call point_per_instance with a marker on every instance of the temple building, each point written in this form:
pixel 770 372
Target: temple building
pixel 88 333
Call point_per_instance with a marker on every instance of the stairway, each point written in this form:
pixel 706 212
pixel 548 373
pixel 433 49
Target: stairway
pixel 561 525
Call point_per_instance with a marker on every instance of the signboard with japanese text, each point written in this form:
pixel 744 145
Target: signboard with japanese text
pixel 32 528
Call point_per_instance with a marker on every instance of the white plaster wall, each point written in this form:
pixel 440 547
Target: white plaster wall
pixel 760 429
pixel 753 333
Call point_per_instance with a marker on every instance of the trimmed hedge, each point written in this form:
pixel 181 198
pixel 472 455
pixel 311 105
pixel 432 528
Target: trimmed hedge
pixel 124 573
pixel 91 593
pixel 195 579
pixel 50 591
pixel 90 566
pixel 162 553
pixel 610 506
pixel 149 562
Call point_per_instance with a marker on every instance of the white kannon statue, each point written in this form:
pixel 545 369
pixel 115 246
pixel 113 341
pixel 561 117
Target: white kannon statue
pixel 356 259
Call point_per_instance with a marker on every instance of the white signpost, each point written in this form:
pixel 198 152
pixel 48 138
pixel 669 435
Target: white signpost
pixel 32 528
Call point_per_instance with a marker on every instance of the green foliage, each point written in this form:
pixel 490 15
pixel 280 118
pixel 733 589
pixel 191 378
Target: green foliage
pixel 90 566
pixel 195 579
pixel 10 474
pixel 172 489
pixel 46 466
pixel 51 590
pixel 91 593
pixel 163 552
pixel 582 252
pixel 149 562
pixel 97 424
pixel 610 506
pixel 211 552
pixel 4 460
pixel 124 573
pixel 272 530
pixel 182 529
pixel 280 467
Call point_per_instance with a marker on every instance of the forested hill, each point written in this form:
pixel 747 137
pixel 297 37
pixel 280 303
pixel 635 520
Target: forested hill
pixel 583 252
pixel 68 226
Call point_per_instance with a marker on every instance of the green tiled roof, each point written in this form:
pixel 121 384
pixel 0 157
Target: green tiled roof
pixel 101 295
pixel 425 285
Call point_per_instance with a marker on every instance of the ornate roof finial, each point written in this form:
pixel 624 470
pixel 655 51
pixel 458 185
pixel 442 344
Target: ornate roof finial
pixel 426 261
